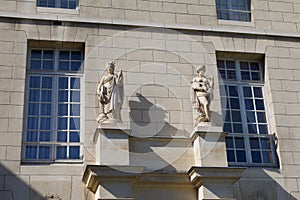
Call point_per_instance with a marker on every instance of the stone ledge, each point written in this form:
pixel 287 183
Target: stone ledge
pixel 78 19
pixel 94 174
pixel 201 175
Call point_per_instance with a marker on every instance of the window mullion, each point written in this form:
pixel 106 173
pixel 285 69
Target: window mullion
pixel 243 113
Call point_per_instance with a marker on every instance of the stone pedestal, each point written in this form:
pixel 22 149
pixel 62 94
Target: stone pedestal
pixel 214 182
pixel 112 145
pixel 209 145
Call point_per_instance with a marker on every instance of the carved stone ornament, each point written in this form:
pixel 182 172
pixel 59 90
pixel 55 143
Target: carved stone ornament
pixel 110 95
pixel 201 95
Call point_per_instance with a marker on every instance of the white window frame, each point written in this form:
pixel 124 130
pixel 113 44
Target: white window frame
pixel 239 83
pixel 55 74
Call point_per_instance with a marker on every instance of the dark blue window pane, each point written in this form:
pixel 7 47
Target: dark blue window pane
pixel 63 83
pixel 231 74
pixel 74 152
pixel 45 123
pixel 72 4
pixel 32 123
pixel 234 103
pixel 249 104
pixel 47 82
pixel 267 156
pixel 244 66
pixel 229 142
pixel 34 95
pixel 237 128
pixel 44 136
pixel 259 103
pixel 254 66
pixel 63 96
pixel 31 152
pixel 75 83
pixel 252 128
pixel 75 55
pixel 48 54
pixel 46 109
pixel 46 96
pixel 239 143
pixel 227 127
pixel 62 123
pixel 247 92
pixel 33 109
pixel 44 152
pixel 254 143
pixel 255 76
pixel 75 96
pixel 75 66
pixel 265 143
pixel 251 117
pixel 245 75
pixel 63 109
pixel 233 91
pixel 35 64
pixel 34 82
pixel 64 55
pixel 47 65
pixel 75 110
pixel 227 116
pixel 74 137
pixel 42 3
pixel 257 92
pixel 36 54
pixel 31 136
pixel 64 4
pixel 236 116
pixel 51 3
pixel 74 124
pixel 230 65
pixel 64 65
pixel 263 129
pixel 230 156
pixel 62 136
pixel 61 152
pixel 256 157
pixel 241 156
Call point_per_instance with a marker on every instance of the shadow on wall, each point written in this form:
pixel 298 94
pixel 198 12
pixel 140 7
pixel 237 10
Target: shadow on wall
pixel 14 187
pixel 143 150
pixel 257 184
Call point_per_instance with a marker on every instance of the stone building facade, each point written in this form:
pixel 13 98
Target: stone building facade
pixel 53 53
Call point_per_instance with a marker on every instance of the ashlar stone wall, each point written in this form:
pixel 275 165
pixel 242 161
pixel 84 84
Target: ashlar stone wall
pixel 158 66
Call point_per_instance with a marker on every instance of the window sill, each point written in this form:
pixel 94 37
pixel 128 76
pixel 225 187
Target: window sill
pixel 58 10
pixel 54 168
pixel 235 23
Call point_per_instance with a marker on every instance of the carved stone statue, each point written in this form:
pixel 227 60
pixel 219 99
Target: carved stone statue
pixel 201 94
pixel 110 95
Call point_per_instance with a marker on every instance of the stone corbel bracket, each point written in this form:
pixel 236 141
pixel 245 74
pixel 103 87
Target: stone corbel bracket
pixel 215 182
pixel 95 174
